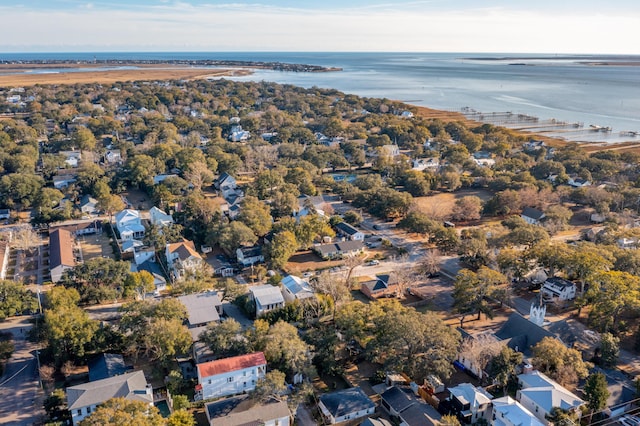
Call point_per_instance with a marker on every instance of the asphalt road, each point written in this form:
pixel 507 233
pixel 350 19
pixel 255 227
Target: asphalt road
pixel 21 397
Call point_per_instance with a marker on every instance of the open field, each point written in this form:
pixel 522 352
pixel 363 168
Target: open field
pixel 439 206
pixel 159 72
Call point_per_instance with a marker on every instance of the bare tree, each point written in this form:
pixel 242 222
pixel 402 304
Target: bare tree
pixel 25 239
pixel 478 351
pixel 429 264
pixel 334 286
pixel 351 263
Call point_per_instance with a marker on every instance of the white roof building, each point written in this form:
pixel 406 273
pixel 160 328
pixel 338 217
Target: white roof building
pixel 540 394
pixel 267 298
pixel 295 288
pixel 158 217
pixel 509 412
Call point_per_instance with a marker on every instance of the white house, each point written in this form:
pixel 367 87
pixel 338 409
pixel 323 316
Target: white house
pixel 295 288
pixel 237 134
pixel 88 205
pixel 349 231
pixel 470 403
pixel 532 216
pixel 506 411
pixel 159 218
pixel 129 224
pixel 229 376
pixel 62 181
pixel 345 404
pixel 248 256
pixel 557 289
pixel 226 184
pixel 406 114
pixel 158 179
pixel 83 399
pixel 539 394
pixel 577 182
pixel 422 164
pixel 182 257
pixel 71 158
pixel 266 297
pixel 113 156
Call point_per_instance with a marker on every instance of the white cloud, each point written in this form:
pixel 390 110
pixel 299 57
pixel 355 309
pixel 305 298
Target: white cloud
pixel 241 27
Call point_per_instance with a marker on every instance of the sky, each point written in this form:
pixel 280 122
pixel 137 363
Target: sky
pixel 532 26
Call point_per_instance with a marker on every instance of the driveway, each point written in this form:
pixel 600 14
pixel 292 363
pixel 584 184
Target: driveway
pixel 232 311
pixel 303 416
pixel 21 396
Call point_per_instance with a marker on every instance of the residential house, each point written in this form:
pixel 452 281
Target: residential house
pixel 533 145
pixel 506 411
pixel 62 181
pixel 83 399
pixel 202 309
pixel 311 205
pixel 483 159
pixel 244 411
pixel 158 179
pixel 578 182
pixel 106 365
pixel 295 288
pixel 557 289
pixel 470 403
pixel 382 286
pixel 627 243
pixel 4 259
pixel 248 256
pixel 129 225
pixel 522 334
pixel 339 249
pixel 539 394
pixel 159 218
pixel 237 134
pixel 221 266
pixel 266 297
pixel 229 376
pixel 622 392
pixel 145 261
pixel 345 404
pixel 71 158
pixel 349 231
pixel 472 364
pixel 226 184
pixel 422 164
pixel 182 257
pixel 532 216
pixel 401 403
pixel 406 114
pixel 79 227
pixel 88 205
pixel 113 157
pixel 61 255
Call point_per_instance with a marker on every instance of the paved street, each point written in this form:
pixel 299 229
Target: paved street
pixel 21 397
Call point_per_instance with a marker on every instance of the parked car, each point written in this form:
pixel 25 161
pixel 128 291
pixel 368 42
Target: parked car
pixel 307 274
pixel 373 262
pixel 629 420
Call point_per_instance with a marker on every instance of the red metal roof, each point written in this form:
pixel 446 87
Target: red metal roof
pixel 226 365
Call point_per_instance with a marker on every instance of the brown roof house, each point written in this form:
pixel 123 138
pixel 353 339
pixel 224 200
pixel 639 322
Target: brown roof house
pixel 182 257
pixel 61 257
pixel 382 286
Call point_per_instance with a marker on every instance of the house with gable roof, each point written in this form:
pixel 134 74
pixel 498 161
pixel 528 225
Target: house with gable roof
pixel 345 404
pixel 243 411
pixel 83 399
pixel 266 297
pixel 532 216
pixel 159 218
pixel 295 288
pixel 61 256
pixel 540 394
pixel 470 403
pixel 129 225
pixel 182 257
pixel 202 309
pixel 349 231
pixel 229 376
pixel 384 285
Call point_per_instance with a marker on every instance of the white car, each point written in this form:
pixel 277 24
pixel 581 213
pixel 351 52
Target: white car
pixel 373 262
pixel 629 420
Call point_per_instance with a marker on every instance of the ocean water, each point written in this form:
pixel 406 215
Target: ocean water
pixel 501 89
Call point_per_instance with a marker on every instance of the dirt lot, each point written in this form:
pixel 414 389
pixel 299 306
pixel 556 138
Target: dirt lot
pixel 439 206
pixel 309 261
pixel 137 199
pixel 95 246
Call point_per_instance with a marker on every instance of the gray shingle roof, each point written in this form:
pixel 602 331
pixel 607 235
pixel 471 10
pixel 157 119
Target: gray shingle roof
pixel 106 365
pixel 522 333
pixel 201 307
pixel 130 386
pixel 346 401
